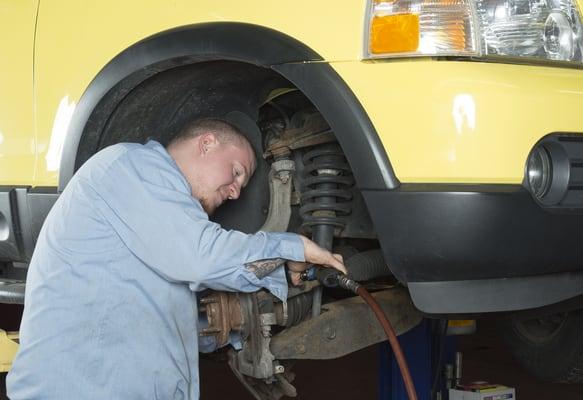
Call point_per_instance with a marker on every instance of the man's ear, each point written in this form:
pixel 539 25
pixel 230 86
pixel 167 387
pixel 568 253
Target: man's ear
pixel 207 142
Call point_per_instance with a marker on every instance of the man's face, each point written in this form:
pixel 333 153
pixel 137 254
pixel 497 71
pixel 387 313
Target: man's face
pixel 226 170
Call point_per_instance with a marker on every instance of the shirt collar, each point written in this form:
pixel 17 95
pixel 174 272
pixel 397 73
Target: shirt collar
pixel 156 146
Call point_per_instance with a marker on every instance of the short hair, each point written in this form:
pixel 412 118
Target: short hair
pixel 223 130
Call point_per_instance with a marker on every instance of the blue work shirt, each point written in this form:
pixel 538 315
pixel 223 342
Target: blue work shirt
pixel 110 304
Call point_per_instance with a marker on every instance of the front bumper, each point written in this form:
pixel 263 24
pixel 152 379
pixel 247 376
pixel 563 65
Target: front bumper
pixel 478 248
pixel 461 230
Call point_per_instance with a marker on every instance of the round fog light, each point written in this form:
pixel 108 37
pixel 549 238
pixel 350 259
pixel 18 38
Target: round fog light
pixel 539 172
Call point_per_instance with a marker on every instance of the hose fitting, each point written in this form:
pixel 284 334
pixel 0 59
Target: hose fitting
pixel 332 278
pixel 347 283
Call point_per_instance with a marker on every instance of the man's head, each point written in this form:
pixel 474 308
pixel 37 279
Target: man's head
pixel 216 159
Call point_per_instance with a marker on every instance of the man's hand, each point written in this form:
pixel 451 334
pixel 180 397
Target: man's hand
pixel 314 254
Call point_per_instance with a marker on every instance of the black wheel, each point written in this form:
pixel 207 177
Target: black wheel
pixel 549 347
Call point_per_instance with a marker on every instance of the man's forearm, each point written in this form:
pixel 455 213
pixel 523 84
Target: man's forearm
pixel 262 268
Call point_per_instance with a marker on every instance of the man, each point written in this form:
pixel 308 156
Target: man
pixel 110 305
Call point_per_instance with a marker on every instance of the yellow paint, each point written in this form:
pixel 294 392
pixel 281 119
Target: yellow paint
pixel 8 349
pixel 77 38
pixel 439 121
pixel 17 146
pixel 465 122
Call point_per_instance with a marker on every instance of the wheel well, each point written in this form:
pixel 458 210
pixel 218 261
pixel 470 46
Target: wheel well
pixel 244 94
pixel 160 105
pixel 174 54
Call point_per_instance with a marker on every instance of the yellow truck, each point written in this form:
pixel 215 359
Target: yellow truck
pixel 438 142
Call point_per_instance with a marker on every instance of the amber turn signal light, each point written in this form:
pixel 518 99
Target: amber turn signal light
pixel 394 33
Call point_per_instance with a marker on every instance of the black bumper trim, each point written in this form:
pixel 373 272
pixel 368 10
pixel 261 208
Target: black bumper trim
pixel 482 235
pixel 494 295
pixel 22 213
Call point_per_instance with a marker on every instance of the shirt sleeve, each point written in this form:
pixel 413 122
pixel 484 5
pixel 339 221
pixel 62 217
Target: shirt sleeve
pixel 167 229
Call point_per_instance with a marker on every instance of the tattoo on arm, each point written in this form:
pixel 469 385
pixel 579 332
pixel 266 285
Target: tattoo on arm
pixel 262 268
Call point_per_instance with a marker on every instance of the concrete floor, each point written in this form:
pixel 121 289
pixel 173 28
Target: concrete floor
pixel 355 376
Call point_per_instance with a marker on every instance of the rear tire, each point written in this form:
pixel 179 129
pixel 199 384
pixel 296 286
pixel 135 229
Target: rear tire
pixel 550 347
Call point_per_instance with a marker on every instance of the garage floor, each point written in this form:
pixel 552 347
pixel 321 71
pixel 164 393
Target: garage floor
pixel 355 376
pixel 487 359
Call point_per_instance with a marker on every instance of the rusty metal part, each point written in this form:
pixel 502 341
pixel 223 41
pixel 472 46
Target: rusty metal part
pixel 346 326
pixel 255 359
pixel 260 389
pixel 314 131
pixel 224 315
pixel 280 189
pixel 305 287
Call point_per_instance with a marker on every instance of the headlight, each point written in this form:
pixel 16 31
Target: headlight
pixel 545 29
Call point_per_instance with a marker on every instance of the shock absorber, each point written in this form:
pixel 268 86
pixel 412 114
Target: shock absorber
pixel 326 200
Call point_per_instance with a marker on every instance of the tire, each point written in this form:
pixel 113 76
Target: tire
pixel 550 347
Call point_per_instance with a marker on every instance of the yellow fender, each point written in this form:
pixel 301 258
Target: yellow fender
pixel 8 349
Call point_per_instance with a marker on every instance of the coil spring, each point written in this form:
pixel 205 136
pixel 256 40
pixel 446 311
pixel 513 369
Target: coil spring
pixel 326 195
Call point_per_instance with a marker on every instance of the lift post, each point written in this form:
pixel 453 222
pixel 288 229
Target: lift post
pixel 419 347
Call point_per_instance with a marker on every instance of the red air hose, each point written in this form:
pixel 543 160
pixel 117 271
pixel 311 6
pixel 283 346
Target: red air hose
pixel 355 287
pixel 409 386
pixel 331 278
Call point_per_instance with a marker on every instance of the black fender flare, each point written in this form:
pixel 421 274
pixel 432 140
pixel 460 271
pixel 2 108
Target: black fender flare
pixel 251 44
